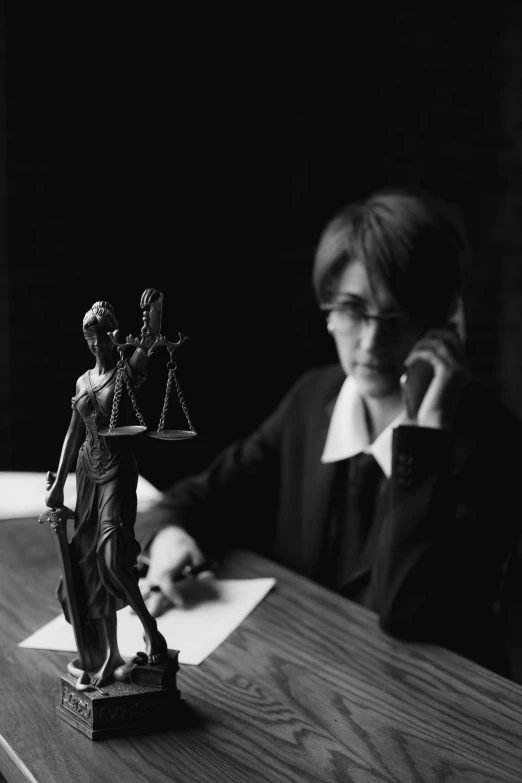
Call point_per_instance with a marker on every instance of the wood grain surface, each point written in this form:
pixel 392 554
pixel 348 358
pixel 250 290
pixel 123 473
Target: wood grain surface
pixel 306 689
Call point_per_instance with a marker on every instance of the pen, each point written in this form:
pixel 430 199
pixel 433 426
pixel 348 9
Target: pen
pixel 187 572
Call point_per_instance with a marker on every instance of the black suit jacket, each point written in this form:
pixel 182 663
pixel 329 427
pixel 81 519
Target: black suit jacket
pixel 436 567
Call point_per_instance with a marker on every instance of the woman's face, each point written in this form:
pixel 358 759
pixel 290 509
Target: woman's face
pixel 371 351
pixel 100 345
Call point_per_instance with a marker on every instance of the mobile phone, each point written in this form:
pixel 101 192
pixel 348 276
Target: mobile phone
pixel 417 377
pixel 415 382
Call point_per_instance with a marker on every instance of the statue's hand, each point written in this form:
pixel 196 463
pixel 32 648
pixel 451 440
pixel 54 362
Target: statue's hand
pixel 150 296
pixel 54 494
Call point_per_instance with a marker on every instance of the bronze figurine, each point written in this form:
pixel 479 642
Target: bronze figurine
pixel 99 565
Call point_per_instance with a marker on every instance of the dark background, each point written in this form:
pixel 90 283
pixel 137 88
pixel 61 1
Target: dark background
pixel 202 155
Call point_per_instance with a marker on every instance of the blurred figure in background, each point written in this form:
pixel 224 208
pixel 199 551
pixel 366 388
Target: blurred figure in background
pixel 402 497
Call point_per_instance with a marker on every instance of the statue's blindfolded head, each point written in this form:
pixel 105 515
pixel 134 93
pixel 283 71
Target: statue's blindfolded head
pixel 95 332
pixel 99 320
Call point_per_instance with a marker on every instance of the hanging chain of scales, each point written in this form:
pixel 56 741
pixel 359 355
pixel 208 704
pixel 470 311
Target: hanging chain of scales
pixel 150 342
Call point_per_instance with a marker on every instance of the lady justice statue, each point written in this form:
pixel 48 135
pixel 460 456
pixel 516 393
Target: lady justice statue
pixel 100 576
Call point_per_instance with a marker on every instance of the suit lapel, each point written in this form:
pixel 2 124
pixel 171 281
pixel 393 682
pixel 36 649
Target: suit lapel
pixel 318 490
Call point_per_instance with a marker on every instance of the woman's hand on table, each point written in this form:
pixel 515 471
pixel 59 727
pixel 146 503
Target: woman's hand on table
pixel 171 551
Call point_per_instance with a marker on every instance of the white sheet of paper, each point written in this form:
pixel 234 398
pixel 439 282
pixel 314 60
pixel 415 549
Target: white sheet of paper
pixel 22 494
pixel 195 632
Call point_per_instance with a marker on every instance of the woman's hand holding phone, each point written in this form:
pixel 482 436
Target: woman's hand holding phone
pixel 435 377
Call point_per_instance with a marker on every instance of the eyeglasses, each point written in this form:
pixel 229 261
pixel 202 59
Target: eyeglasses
pixel 350 316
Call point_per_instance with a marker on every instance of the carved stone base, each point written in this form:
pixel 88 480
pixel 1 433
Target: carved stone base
pixel 128 708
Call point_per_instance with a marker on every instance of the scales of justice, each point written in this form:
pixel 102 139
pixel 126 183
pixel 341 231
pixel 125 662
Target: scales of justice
pixel 103 693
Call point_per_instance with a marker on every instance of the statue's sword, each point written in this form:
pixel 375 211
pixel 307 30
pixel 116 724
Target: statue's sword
pixel 58 519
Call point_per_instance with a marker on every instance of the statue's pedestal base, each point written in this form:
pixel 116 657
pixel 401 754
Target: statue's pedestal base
pixel 128 707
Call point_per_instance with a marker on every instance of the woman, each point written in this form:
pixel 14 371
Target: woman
pixel 399 497
pixel 103 549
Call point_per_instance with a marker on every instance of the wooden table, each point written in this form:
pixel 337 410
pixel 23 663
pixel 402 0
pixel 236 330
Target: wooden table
pixel 306 689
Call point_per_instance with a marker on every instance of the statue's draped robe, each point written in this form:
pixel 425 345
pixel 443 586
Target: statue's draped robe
pixel 106 482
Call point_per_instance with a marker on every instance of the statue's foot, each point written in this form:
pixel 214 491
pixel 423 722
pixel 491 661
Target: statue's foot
pixel 97 680
pixel 157 658
pixel 105 673
pixel 156 648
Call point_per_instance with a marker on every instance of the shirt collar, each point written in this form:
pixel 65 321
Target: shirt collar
pixel 348 433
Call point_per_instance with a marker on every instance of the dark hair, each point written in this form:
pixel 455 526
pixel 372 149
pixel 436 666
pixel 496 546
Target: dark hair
pixel 414 241
pixel 101 314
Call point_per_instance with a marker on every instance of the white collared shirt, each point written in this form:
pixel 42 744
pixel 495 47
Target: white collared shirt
pixel 348 434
